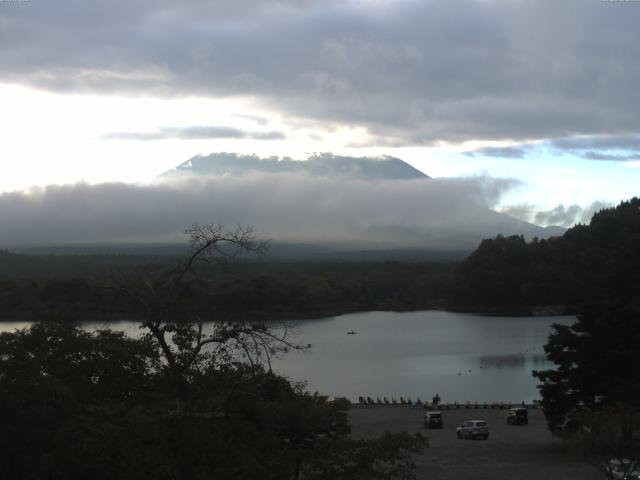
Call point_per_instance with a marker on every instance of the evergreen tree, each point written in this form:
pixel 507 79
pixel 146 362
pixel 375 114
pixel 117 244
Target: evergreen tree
pixel 595 365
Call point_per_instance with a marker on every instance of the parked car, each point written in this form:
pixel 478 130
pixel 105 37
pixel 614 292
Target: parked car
pixel 624 469
pixel 518 416
pixel 433 420
pixel 473 429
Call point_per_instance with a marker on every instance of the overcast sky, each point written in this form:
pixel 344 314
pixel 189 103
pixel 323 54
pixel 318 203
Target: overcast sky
pixel 543 94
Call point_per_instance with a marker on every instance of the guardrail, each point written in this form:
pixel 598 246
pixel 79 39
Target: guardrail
pixel 442 405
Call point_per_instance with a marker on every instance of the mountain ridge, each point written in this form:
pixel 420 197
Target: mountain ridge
pixel 320 165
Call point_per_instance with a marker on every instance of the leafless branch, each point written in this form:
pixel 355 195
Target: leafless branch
pixel 189 349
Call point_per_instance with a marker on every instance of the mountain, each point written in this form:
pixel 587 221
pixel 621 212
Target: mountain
pixel 323 165
pixel 351 204
pixel 336 202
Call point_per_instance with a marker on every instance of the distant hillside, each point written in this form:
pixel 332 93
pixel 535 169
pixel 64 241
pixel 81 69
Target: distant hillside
pixel 589 264
pixel 325 165
pixel 73 263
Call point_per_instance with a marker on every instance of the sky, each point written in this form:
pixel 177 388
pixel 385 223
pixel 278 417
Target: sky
pixel 540 95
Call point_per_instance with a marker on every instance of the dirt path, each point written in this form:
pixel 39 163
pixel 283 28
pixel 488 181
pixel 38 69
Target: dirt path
pixel 527 452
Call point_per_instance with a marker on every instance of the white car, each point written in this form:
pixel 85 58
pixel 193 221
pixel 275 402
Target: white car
pixel 473 429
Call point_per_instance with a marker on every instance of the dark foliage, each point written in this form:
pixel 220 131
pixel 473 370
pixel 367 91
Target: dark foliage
pixel 588 265
pixel 51 373
pixel 596 365
pixel 269 290
pixel 76 405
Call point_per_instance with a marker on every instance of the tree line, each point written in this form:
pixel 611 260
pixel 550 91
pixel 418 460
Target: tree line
pixel 593 264
pixel 268 289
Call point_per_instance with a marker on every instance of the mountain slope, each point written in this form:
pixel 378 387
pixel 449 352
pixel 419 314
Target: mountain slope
pixel 353 203
pixel 324 165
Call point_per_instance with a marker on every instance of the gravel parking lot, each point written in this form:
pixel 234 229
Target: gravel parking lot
pixel 527 452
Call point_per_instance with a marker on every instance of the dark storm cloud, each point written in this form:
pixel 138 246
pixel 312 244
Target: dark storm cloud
pixel 194 133
pixel 283 206
pixel 409 71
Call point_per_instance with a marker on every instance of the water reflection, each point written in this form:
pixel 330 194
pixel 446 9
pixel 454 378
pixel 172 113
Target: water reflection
pixel 516 360
pixel 418 354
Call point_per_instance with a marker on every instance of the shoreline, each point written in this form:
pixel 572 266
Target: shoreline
pixel 275 316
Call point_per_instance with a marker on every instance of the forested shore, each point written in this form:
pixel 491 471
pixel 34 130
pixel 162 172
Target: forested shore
pixel 257 290
pixel 589 264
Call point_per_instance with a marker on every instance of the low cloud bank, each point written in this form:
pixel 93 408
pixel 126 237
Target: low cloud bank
pixel 282 206
pixel 560 215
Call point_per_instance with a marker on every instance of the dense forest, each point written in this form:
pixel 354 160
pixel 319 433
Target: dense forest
pixel 590 264
pixel 82 287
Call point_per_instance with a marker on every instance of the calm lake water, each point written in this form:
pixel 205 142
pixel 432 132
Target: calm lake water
pixel 459 356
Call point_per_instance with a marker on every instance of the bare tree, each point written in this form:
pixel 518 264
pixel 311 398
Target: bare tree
pixel 165 305
pixel 230 415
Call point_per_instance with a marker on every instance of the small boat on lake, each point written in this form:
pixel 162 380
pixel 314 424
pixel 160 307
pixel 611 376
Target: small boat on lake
pixel 352 332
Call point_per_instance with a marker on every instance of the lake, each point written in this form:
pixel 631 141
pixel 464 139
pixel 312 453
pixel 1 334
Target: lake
pixel 459 356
